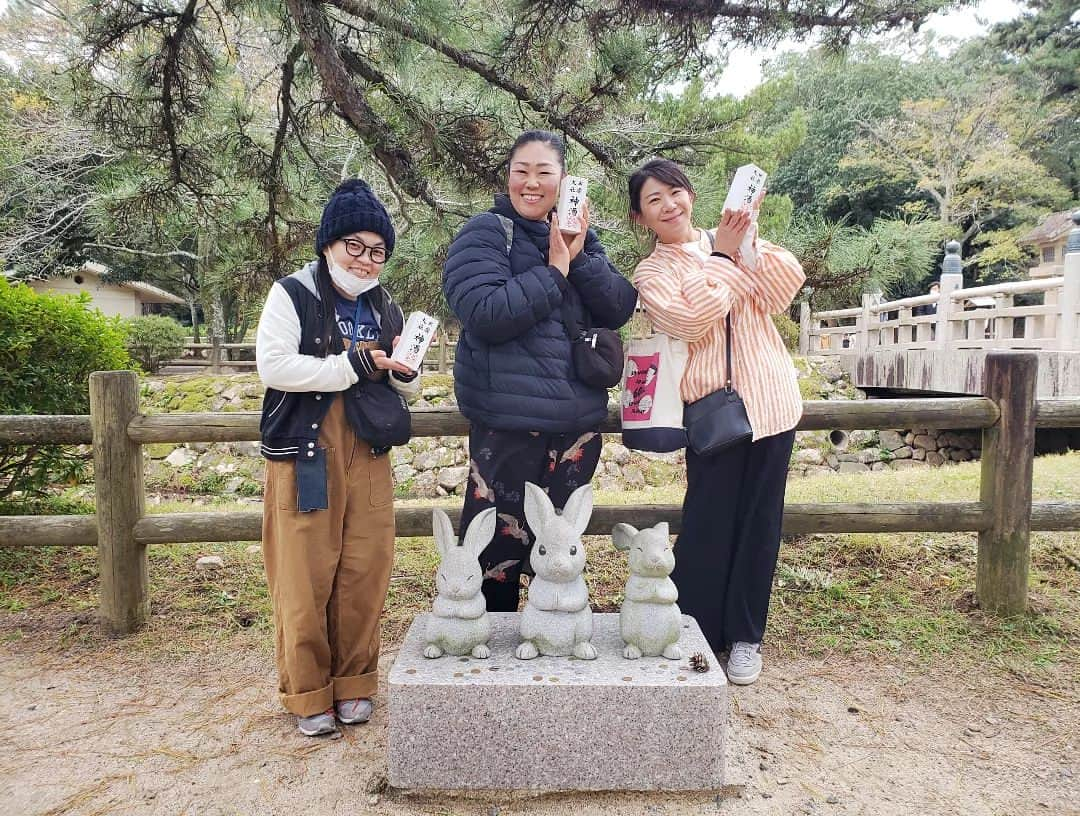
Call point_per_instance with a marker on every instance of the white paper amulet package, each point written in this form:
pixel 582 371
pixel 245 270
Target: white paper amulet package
pixel 572 193
pixel 745 189
pixel 415 339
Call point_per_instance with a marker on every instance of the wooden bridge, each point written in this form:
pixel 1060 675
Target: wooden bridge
pixel 937 343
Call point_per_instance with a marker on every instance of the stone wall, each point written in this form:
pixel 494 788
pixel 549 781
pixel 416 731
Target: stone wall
pixel 437 467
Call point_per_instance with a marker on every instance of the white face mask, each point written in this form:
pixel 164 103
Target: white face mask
pixel 347 282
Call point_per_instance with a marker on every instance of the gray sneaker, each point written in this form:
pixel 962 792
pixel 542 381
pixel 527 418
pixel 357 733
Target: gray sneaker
pixel 744 664
pixel 351 712
pixel 317 724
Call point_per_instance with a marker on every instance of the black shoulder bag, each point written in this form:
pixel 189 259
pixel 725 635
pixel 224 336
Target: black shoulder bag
pixel 717 420
pixel 377 413
pixel 596 353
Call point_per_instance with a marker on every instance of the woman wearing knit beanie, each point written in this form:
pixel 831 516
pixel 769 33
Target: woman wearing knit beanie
pixel 334 406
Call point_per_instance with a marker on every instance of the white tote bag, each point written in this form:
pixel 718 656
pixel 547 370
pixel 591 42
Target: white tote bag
pixel 652 406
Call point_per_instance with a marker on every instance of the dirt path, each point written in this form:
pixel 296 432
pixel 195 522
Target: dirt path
pixel 104 734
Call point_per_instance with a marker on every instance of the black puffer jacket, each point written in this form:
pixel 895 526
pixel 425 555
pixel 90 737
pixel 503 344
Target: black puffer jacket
pixel 513 368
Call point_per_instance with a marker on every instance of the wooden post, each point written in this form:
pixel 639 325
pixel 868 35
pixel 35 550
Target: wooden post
pixel 215 354
pixel 118 485
pixel 1068 330
pixel 1002 327
pixel 862 322
pixel 804 328
pixel 1008 450
pixel 444 341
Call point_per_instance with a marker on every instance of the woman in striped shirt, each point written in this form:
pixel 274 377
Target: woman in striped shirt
pixel 730 540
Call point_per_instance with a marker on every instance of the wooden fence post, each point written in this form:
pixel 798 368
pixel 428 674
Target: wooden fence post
pixel 215 354
pixel 444 342
pixel 120 501
pixel 1069 323
pixel 864 322
pixel 1008 450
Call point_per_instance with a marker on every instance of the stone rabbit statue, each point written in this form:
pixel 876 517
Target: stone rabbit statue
pixel 650 621
pixel 459 622
pixel 557 620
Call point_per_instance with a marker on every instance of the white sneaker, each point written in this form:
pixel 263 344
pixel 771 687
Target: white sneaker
pixel 317 724
pixel 744 664
pixel 355 711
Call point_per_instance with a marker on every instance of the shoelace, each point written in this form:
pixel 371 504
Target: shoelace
pixel 743 651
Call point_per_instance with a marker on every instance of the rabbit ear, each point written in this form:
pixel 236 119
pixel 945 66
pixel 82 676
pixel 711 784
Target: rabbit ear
pixel 662 529
pixel 481 531
pixel 622 535
pixel 538 507
pixel 443 530
pixel 578 508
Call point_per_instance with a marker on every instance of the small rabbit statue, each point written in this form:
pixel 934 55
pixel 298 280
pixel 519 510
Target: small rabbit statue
pixel 557 619
pixel 650 620
pixel 459 622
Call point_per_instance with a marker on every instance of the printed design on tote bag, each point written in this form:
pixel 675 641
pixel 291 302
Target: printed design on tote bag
pixel 639 393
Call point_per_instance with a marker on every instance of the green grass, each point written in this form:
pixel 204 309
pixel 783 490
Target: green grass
pixel 902 597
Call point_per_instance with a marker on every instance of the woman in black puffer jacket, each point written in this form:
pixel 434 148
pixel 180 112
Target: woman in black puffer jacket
pixel 507 277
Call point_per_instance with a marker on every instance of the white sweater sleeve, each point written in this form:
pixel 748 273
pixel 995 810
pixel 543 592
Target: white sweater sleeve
pixel 277 352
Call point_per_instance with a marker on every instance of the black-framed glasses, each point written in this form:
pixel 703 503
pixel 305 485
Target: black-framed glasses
pixel 357 248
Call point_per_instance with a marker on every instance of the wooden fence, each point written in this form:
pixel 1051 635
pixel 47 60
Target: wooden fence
pixel 218 355
pixel 1003 516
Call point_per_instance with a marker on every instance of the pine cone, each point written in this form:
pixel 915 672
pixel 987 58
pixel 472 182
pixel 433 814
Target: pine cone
pixel 699 662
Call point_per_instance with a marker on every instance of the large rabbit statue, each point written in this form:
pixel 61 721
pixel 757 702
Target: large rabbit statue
pixel 650 621
pixel 459 622
pixel 557 620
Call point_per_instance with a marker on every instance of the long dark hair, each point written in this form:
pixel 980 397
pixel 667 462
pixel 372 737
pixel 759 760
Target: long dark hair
pixel 390 324
pixel 663 170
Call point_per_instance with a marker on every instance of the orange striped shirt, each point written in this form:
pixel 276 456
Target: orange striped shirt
pixel 687 293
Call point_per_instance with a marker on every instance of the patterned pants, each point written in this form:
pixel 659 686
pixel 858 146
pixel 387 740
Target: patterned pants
pixel 500 464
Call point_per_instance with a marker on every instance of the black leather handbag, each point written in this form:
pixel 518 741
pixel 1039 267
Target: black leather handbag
pixel 597 354
pixel 717 420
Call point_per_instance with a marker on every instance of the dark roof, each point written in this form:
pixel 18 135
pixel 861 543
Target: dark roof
pixel 1052 228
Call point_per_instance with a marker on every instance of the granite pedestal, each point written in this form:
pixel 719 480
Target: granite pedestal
pixel 556 723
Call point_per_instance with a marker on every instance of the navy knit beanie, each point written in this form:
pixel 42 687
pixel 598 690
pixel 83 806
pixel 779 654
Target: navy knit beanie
pixel 354 208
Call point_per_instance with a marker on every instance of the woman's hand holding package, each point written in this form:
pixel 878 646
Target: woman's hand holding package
pixel 382 360
pixel 561 252
pixel 730 231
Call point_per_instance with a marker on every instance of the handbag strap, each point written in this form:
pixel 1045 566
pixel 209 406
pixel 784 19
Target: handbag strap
pixel 729 340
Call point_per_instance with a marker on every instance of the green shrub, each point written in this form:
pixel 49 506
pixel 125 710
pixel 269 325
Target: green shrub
pixel 154 339
pixel 789 331
pixel 49 345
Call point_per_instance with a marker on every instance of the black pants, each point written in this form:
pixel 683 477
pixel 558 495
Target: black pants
pixel 726 555
pixel 499 465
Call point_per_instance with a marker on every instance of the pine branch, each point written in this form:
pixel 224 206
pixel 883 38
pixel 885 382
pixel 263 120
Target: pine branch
pixel 320 44
pixel 176 253
pixel 484 70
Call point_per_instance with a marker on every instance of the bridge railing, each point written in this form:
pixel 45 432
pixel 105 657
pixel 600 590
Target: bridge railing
pixel 217 355
pixel 1003 516
pixel 981 317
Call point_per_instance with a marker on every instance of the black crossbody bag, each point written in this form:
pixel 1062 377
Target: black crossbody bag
pixel 717 420
pixel 597 353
